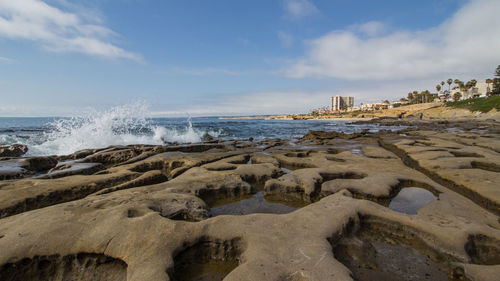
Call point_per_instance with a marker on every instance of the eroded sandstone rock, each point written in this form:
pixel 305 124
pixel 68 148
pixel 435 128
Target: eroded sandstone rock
pixel 144 212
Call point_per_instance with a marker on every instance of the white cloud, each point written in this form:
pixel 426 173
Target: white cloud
pixel 272 102
pixel 3 59
pixel 468 42
pixel 299 8
pixel 58 30
pixel 286 39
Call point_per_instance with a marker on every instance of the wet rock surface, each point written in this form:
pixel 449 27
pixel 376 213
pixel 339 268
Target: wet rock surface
pixel 82 266
pixel 14 150
pixel 417 204
pixel 382 261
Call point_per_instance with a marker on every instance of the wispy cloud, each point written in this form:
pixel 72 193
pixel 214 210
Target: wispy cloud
pixel 286 39
pixel 250 103
pixel 3 59
pixel 57 30
pixel 296 9
pixel 468 42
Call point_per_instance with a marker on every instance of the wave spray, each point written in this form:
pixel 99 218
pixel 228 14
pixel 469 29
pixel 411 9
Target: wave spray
pixel 121 125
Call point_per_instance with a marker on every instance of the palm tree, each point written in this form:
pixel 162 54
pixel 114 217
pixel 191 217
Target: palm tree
pixel 464 86
pixel 457 96
pixel 488 81
pixel 426 96
pixel 496 82
pixel 410 97
pixel 416 97
pixel 438 87
pixel 449 82
pixel 467 86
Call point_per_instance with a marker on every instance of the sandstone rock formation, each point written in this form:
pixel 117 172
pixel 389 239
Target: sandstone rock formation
pixel 144 212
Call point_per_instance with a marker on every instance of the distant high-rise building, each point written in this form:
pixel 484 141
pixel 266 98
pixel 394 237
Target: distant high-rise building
pixel 340 103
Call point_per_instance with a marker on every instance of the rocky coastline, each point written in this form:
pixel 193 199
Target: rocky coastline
pixel 429 111
pixel 422 203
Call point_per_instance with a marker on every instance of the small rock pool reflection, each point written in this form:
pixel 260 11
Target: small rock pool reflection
pixel 285 170
pixel 256 203
pixel 410 199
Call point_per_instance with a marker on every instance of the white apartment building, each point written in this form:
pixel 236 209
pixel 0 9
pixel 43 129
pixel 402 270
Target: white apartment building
pixel 480 90
pixel 341 103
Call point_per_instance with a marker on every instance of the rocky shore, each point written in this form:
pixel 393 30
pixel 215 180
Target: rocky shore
pixel 422 203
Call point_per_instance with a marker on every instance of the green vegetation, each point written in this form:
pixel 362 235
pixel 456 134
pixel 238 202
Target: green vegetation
pixel 422 97
pixel 477 104
pixel 356 113
pixel 457 96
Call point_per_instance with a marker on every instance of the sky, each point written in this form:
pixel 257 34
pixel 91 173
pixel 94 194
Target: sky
pixel 227 57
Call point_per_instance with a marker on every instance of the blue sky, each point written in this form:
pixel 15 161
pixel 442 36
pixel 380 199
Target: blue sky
pixel 227 57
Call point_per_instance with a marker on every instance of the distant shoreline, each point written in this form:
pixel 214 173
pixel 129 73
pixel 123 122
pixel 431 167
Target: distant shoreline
pixel 425 111
pixel 295 117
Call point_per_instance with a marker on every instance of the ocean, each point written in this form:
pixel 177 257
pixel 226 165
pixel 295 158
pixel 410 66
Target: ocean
pixel 120 126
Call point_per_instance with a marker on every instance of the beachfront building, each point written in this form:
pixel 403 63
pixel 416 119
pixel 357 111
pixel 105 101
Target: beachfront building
pixel 341 103
pixel 481 89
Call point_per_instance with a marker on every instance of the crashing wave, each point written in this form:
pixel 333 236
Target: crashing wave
pixel 121 125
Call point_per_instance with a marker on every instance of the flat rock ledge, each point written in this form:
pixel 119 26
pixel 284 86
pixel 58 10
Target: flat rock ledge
pixel 143 212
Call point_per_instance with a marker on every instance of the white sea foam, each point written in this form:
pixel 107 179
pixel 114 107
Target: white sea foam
pixel 122 125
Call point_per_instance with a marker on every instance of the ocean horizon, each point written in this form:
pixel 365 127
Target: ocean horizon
pixel 125 126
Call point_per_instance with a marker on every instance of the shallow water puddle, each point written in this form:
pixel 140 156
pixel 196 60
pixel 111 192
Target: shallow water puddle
pixel 354 148
pixel 255 204
pixel 11 167
pixel 369 260
pixel 206 261
pixel 212 270
pixel 71 168
pixel 357 151
pixel 285 170
pixel 410 199
pixel 75 167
